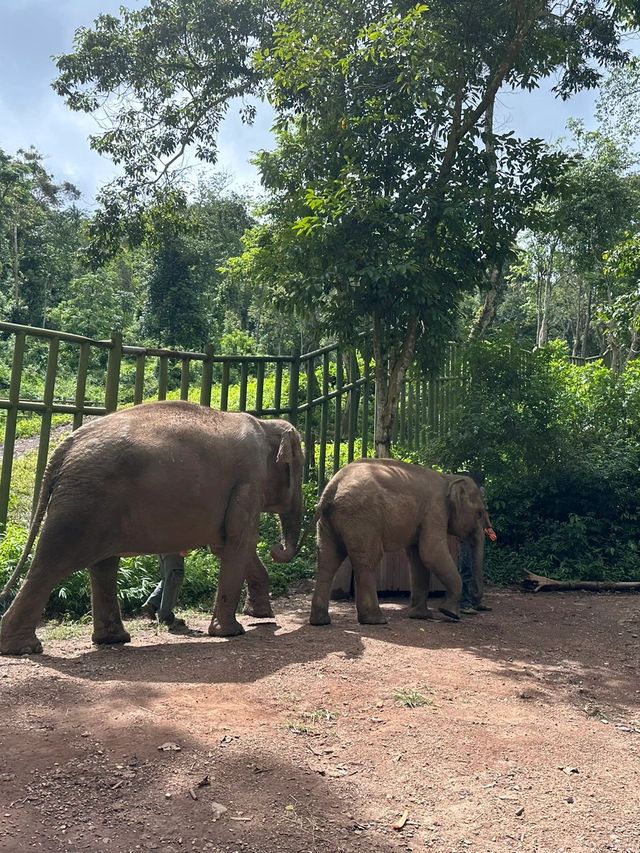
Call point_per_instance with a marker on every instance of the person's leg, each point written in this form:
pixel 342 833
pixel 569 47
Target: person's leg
pixel 152 604
pixel 172 568
pixel 465 567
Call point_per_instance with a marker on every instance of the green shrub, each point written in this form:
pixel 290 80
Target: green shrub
pixel 560 446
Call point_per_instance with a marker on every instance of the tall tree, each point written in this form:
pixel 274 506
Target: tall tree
pixel 397 95
pixel 39 234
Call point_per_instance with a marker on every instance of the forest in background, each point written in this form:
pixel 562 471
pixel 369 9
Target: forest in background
pixel 392 204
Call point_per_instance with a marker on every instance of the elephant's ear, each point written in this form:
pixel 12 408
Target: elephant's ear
pixel 289 446
pixel 457 491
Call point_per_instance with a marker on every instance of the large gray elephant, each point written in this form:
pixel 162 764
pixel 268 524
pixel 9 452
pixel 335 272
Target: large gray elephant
pixel 374 506
pixel 159 478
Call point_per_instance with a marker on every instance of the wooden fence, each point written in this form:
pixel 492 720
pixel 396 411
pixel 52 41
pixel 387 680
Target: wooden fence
pixel 328 393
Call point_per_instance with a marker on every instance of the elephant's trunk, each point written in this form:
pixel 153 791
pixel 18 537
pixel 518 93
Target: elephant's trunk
pixel 290 522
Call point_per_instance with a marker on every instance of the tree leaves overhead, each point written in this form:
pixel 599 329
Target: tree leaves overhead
pixel 160 78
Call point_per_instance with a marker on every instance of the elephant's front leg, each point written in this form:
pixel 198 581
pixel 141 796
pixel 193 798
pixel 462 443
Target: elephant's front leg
pixel 107 619
pixel 258 603
pixel 420 578
pixel 241 540
pixel 434 553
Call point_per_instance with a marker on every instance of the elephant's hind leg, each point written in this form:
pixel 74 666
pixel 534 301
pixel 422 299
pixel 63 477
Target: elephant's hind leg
pixel 18 625
pixel 107 619
pixel 365 564
pixel 330 554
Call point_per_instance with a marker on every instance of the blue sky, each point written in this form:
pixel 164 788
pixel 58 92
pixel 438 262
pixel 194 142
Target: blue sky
pixel 31 113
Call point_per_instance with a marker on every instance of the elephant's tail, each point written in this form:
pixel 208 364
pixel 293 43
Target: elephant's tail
pixel 48 481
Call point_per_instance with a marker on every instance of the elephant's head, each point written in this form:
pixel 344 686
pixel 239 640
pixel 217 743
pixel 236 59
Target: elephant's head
pixel 283 491
pixel 468 516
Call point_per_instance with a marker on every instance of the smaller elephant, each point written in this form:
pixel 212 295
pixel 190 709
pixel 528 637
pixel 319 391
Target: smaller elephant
pixel 375 506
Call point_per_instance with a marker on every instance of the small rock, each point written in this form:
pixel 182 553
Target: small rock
pixel 520 811
pixel 169 746
pixel 218 810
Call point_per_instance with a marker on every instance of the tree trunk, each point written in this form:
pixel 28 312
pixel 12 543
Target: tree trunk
pixel 587 323
pixel 389 375
pixel 539 583
pixel 495 264
pixel 347 396
pixel 576 337
pixel 492 300
pixel 543 330
pixel 16 264
pixel 634 346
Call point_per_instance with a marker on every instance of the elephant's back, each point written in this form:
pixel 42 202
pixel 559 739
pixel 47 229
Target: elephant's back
pixel 161 443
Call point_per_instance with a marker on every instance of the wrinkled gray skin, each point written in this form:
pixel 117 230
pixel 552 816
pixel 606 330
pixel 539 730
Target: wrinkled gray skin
pixel 375 506
pixel 160 478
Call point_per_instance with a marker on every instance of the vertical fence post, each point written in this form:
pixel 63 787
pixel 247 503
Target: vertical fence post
pixel 163 377
pixel 185 378
pixel 259 388
pixel 45 425
pixel 207 377
pixel 10 428
pixel 366 390
pixel 224 387
pixel 352 403
pixel 309 450
pixel 294 385
pixel 244 381
pixel 337 424
pixel 113 372
pixel 81 383
pixel 324 423
pixel 277 393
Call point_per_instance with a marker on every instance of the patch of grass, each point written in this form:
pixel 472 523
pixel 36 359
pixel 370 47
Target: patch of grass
pixel 410 698
pixel 320 715
pixel 309 720
pixel 68 630
pixel 300 728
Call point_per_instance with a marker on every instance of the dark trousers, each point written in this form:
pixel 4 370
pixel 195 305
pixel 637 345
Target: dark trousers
pixel 471 594
pixel 165 596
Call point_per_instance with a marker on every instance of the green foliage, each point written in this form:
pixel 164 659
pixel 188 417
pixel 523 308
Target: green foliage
pixel 39 236
pixel 411 698
pixel 560 446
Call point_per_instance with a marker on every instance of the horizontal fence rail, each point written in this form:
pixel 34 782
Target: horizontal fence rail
pixel 328 394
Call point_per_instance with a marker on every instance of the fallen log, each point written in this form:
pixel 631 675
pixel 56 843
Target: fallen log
pixel 538 583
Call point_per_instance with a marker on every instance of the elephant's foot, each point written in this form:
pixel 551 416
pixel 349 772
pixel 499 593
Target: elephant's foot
pixel 110 635
pixel 225 629
pixel 20 644
pixel 450 614
pixel 258 609
pixel 375 618
pixel 319 616
pixel 419 611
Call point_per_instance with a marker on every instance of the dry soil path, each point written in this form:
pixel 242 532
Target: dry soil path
pixel 528 740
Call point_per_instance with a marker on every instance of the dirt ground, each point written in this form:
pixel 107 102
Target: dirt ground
pixel 528 740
